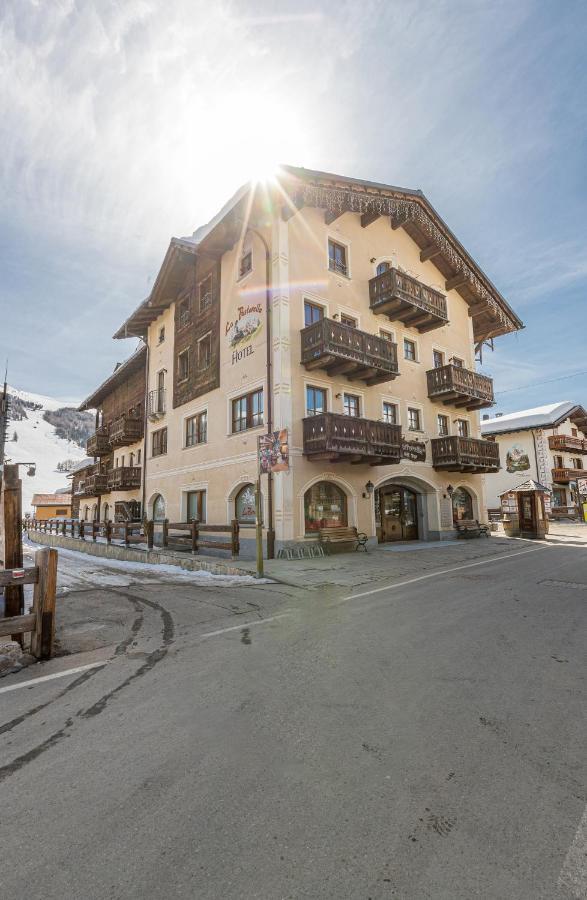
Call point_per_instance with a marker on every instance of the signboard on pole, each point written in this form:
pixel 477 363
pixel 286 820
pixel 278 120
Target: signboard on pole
pixel 274 452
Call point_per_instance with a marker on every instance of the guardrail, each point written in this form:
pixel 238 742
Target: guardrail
pixel 188 536
pixel 40 622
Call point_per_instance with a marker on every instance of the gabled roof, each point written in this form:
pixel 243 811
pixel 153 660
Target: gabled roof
pixel 51 500
pixel 538 417
pixel 294 188
pixel 529 485
pixel 120 374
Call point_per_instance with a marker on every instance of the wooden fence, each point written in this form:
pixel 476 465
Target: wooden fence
pixel 185 536
pixel 40 622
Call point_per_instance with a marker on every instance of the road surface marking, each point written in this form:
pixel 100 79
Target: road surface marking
pixel 482 562
pixel 31 681
pixel 208 634
pixel 573 876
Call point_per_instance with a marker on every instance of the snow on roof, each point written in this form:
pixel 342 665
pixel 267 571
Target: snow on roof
pixel 538 417
pixel 529 485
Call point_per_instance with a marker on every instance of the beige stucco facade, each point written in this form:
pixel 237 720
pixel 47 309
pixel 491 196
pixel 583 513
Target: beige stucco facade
pixel 299 271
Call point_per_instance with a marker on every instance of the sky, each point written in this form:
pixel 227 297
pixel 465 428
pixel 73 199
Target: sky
pixel 124 123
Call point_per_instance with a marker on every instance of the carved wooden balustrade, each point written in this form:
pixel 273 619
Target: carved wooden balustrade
pixel 124 478
pixel 567 442
pixel 343 350
pixel 95 483
pixel 126 429
pixel 465 454
pixel 564 475
pixel 337 437
pixel 405 299
pixel 460 387
pixel 98 444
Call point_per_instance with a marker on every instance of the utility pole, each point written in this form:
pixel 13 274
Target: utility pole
pixel 4 411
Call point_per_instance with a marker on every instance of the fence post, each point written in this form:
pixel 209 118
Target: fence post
pixel 82 530
pixel 194 530
pixel 165 537
pixel 44 603
pixel 95 527
pixel 234 541
pixel 108 532
pixel 149 531
pixel 125 533
pixel 64 528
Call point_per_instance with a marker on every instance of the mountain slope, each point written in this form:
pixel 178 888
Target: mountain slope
pixel 38 442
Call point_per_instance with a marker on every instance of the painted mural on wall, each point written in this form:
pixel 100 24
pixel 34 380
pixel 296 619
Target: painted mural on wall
pixel 241 330
pixel 516 459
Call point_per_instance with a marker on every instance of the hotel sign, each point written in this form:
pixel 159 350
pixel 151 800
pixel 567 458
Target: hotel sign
pixel 414 451
pixel 241 331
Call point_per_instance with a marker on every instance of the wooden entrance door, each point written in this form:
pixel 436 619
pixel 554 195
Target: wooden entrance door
pixel 527 511
pixel 399 514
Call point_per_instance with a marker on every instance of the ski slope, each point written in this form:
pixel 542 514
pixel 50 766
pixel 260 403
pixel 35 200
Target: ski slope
pixel 38 443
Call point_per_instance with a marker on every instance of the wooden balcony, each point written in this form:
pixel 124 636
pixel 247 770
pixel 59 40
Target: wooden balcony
pixel 343 350
pixel 126 430
pixel 338 438
pixel 95 484
pixel 156 404
pixel 457 386
pixel 465 454
pixel 124 478
pixel 568 443
pixel 404 299
pixel 98 444
pixel 563 476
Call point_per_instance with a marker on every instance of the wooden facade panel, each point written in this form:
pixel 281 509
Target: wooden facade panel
pixel 197 316
pixel 128 395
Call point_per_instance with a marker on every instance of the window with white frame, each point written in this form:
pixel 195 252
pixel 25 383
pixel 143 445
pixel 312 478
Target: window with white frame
pixel 438 358
pixel 196 429
pixel 337 258
pixel 351 405
pixel 386 335
pixel 442 423
pixel 205 293
pixel 205 351
pixel 410 350
pixel 315 400
pixel 313 312
pixel 414 419
pixel 247 411
pixel 462 428
pixel 390 413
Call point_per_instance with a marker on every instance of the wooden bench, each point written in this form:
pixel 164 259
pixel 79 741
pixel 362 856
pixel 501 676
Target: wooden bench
pixel 343 535
pixel 471 528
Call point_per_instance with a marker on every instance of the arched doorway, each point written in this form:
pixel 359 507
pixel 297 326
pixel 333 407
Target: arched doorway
pixel 158 508
pixel 244 505
pixel 398 509
pixel 325 505
pixel 462 505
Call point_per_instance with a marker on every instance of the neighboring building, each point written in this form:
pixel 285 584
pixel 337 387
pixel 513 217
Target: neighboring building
pixel 367 358
pixel 51 506
pixel 547 444
pixel 78 476
pixel 111 488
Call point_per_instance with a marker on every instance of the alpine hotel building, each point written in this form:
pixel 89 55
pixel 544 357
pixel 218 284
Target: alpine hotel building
pixel 346 312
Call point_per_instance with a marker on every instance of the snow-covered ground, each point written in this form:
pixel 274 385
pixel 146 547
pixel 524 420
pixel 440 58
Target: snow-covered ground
pixel 38 443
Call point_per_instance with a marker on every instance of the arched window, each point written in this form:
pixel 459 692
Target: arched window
pixel 383 267
pixel 106 514
pixel 158 508
pixel 244 505
pixel 462 505
pixel 325 505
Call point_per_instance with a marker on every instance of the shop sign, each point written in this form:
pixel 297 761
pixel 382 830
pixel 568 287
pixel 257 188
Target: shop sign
pixel 241 330
pixel 274 452
pixel 414 451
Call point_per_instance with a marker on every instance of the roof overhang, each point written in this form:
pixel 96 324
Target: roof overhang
pixel 577 414
pixel 133 364
pixel 410 210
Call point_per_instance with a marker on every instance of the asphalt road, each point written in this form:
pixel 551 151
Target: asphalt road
pixel 421 741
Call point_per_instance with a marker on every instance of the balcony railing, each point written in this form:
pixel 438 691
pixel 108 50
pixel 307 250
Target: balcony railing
pixel 465 454
pixel 126 430
pixel 460 387
pixel 344 350
pixel 337 437
pixel 567 442
pixel 98 444
pixel 95 484
pixel 404 299
pixel 124 478
pixel 156 402
pixel 563 476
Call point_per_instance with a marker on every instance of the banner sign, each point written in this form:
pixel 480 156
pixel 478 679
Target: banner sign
pixel 274 452
pixel 414 450
pixel 582 486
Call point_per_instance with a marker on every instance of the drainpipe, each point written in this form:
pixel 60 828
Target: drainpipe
pixel 144 474
pixel 269 369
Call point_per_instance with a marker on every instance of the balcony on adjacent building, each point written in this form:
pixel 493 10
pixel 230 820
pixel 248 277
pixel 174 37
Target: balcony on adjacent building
pixel 96 483
pixel 563 476
pixel 124 478
pixel 126 430
pixel 98 444
pixel 460 387
pixel 568 443
pixel 336 437
pixel 340 349
pixel 405 299
pixel 465 454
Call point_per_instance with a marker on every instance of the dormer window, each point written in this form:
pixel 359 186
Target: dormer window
pixel 246 265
